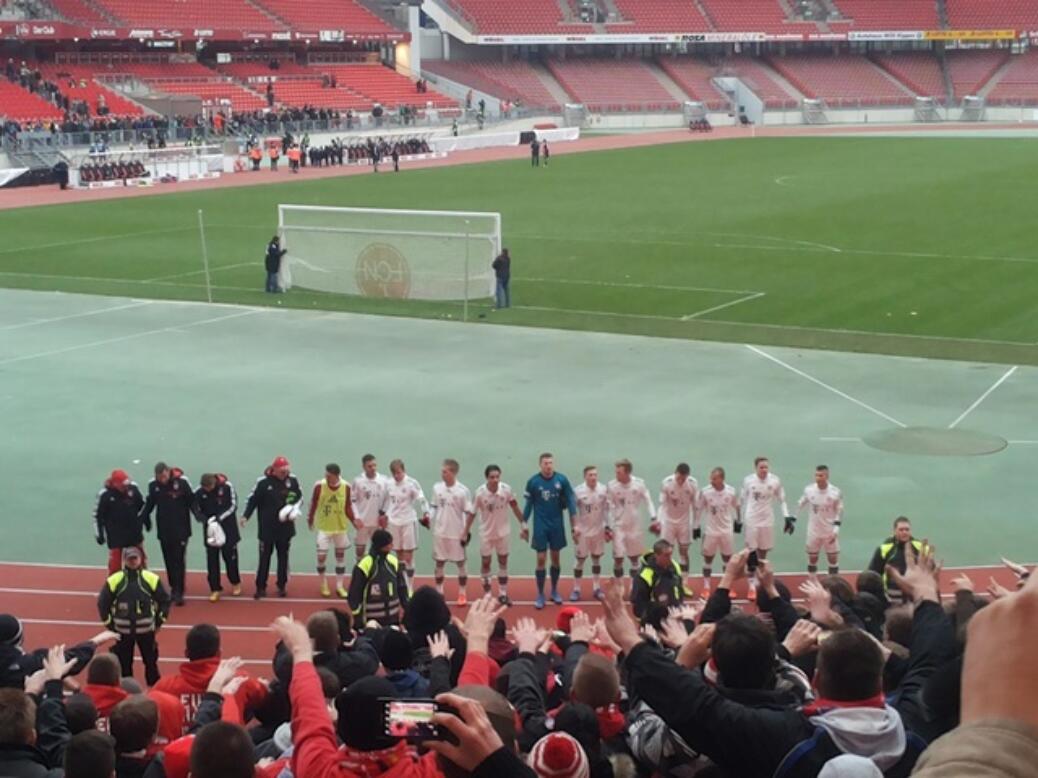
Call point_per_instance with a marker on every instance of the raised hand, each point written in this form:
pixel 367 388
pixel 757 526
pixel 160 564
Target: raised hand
pixel 696 649
pixel 528 636
pixel 618 621
pixel 581 630
pixel 673 632
pixel 439 646
pixel 475 738
pixel 295 637
pixel 802 639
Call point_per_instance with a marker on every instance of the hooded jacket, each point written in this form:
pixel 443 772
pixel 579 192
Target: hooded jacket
pixel 268 496
pixel 190 683
pixel 171 502
pixel 16 665
pixel 118 519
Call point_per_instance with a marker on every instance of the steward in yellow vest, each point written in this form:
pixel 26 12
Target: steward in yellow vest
pixel 892 551
pixel 378 587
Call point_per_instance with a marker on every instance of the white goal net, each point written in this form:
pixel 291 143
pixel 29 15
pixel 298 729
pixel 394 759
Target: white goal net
pixel 376 252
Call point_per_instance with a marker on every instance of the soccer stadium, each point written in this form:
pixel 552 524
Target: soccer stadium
pixel 555 388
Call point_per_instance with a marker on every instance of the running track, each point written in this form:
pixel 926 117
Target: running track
pixel 57 604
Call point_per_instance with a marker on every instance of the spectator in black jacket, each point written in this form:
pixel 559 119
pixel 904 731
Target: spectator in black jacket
pixel 273 263
pixel 16 665
pixel 892 552
pixel 849 716
pixel 170 495
pixel 33 730
pixel 216 503
pixel 277 500
pixel 117 518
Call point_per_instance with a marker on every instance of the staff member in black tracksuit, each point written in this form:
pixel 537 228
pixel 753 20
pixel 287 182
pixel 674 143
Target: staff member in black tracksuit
pixel 278 489
pixel 216 501
pixel 117 517
pixel 171 496
pixel 272 263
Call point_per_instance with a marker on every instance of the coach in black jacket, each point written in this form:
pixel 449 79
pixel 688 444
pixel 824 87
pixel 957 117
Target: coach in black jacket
pixel 277 489
pixel 216 500
pixel 118 519
pixel 170 495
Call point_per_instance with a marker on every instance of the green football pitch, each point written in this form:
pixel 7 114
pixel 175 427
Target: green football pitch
pixel 916 248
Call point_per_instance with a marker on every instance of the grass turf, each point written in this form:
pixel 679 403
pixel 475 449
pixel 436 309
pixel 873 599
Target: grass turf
pixel 905 246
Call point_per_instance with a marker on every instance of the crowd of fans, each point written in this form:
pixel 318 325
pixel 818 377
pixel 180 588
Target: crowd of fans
pixel 844 685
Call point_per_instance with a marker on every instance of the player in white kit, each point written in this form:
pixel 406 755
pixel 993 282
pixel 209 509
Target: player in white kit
pixel 368 492
pixel 402 495
pixel 451 513
pixel 719 510
pixel 494 499
pixel 760 491
pixel 591 525
pixel 825 503
pixel 626 495
pixel 678 497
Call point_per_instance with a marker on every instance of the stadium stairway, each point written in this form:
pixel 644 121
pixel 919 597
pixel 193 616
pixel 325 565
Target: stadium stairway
pixel 668 83
pixel 554 87
pixel 274 18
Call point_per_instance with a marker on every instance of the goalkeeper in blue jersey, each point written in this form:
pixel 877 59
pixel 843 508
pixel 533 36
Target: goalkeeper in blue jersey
pixel 548 494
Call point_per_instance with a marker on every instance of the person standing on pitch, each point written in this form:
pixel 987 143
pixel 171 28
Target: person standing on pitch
pixel 402 494
pixel 278 501
pixel 545 152
pixel 825 503
pixel 627 492
pixel 171 497
pixel 368 493
pixel 396 159
pixel 679 494
pixel 761 489
pixel 535 153
pixel 134 604
pixel 331 513
pixel 593 524
pixel 117 518
pixel 547 495
pixel 719 504
pixel 273 264
pixel 215 506
pixel 502 266
pixel 451 514
pixel 494 499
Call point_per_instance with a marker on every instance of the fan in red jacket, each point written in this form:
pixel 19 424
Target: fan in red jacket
pixel 203 652
pixel 104 687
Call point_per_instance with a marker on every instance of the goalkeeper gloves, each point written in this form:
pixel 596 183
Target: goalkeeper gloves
pixel 697 533
pixel 738 527
pixel 791 524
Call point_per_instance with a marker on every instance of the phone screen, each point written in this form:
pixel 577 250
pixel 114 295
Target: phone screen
pixel 410 720
pixel 752 561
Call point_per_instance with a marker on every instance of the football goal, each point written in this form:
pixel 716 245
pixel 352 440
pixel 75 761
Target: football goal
pixel 378 252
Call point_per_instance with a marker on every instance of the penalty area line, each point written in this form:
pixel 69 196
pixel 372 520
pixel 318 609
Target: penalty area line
pixel 744 299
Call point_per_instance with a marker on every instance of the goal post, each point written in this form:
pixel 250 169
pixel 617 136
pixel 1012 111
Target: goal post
pixel 389 253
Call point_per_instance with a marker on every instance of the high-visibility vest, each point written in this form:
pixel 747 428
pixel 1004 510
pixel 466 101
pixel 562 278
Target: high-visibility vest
pixel 886 551
pixel 133 611
pixel 381 600
pixel 648 574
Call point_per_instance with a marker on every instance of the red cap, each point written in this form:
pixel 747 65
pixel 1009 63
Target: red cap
pixel 279 462
pixel 119 477
pixel 562 622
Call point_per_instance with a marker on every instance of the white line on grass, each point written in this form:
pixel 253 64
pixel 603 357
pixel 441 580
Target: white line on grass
pixel 840 440
pixel 592 313
pixel 983 397
pixel 199 272
pixel 97 239
pixel 121 338
pixel 621 284
pixel 824 385
pixel 722 306
pixel 1023 442
pixel 35 322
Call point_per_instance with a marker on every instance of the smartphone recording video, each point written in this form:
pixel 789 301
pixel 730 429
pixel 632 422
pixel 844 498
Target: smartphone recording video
pixel 410 720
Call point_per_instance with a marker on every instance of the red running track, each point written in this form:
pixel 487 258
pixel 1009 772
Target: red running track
pixel 57 604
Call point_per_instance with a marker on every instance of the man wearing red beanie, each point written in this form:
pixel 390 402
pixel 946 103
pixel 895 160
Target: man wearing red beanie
pixel 277 500
pixel 117 518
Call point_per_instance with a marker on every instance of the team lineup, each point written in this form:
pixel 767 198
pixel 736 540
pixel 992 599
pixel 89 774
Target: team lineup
pixel 599 515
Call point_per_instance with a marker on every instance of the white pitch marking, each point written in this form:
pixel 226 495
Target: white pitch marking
pixel 106 341
pixel 663 287
pixel 781 180
pixel 98 239
pixel 35 322
pixel 199 272
pixel 722 306
pixel 984 396
pixel 1023 442
pixel 824 385
pixel 840 440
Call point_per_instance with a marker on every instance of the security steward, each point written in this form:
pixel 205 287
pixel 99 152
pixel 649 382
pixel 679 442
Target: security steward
pixel 135 604
pixel 170 496
pixel 277 500
pixel 658 586
pixel 117 517
pixel 378 588
pixel 892 552
pixel 216 502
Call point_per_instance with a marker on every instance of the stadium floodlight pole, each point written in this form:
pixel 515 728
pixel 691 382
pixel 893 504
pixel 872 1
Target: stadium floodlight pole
pixel 205 257
pixel 465 308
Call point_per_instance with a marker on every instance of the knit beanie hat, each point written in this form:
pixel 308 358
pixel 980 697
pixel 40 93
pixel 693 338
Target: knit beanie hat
pixel 558 755
pixel 395 652
pixel 10 630
pixel 360 723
